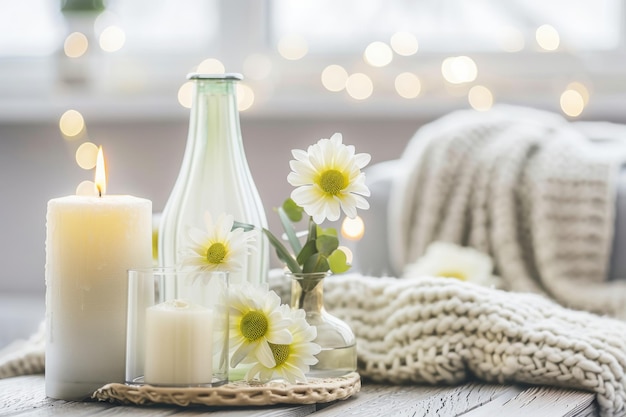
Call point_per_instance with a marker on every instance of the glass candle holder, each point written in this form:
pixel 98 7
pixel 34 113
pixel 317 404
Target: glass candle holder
pixel 177 331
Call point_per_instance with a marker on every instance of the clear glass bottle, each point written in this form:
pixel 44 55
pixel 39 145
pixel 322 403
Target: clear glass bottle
pixel 338 356
pixel 214 176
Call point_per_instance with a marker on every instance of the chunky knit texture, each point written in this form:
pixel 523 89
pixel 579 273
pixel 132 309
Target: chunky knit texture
pixel 525 187
pixel 441 330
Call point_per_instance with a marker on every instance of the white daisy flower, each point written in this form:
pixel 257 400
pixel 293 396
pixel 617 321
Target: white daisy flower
pixel 218 247
pixel 328 178
pixel 448 260
pixel 255 321
pixel 292 360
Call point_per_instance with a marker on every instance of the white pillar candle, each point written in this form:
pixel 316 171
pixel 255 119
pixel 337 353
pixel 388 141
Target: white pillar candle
pixel 179 344
pixel 91 242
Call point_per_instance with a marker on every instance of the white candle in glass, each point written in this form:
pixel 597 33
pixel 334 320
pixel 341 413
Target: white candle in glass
pixel 179 344
pixel 91 242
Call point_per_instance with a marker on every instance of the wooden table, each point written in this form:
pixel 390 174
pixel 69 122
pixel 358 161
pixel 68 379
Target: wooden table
pixel 25 397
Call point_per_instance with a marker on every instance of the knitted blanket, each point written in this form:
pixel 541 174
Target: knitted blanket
pixel 442 330
pixel 523 186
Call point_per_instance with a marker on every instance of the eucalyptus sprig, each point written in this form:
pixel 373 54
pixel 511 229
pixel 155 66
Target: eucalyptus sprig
pixel 320 251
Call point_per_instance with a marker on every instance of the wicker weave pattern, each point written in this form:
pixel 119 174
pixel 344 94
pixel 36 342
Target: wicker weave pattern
pixel 236 393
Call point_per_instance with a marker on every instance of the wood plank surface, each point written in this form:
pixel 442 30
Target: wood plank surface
pixel 25 397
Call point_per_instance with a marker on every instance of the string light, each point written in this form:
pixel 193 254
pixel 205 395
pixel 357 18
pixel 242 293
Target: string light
pixel 404 43
pixel 408 85
pixel 459 69
pixel 359 86
pixel 245 97
pixel 211 66
pixel 480 98
pixel 71 124
pixel 292 47
pixel 348 252
pixel 86 155
pixel 112 39
pixel 75 45
pixel 334 78
pixel 547 37
pixel 378 54
pixel 580 88
pixel 185 94
pixel 353 229
pixel 572 103
pixel 86 188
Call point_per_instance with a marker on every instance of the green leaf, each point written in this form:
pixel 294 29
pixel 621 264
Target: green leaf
pixel 330 231
pixel 293 211
pixel 316 263
pixel 309 249
pixel 338 262
pixel 312 230
pixel 289 231
pixel 245 226
pixel 326 244
pixel 282 252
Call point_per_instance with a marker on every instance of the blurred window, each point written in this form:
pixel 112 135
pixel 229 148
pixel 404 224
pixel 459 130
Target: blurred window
pixel 38 27
pixel 448 25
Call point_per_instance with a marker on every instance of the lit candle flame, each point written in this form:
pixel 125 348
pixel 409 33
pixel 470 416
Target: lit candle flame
pixel 101 180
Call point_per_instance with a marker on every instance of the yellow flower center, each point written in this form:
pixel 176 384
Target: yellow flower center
pixel 332 181
pixel 280 352
pixel 453 274
pixel 216 253
pixel 253 325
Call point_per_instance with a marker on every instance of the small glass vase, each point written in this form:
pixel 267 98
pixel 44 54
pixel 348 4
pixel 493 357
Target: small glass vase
pixel 338 343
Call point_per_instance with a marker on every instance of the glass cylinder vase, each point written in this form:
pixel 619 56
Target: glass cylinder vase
pixel 214 177
pixel 177 331
pixel 338 356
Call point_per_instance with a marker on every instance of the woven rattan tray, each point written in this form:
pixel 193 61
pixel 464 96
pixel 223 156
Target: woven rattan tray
pixel 316 390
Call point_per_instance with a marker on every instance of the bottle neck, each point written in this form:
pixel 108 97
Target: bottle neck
pixel 214 122
pixel 307 292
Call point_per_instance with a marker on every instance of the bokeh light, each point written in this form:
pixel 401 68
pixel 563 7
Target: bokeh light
pixel 459 69
pixel 334 78
pixel 185 94
pixel 71 123
pixel 353 229
pixel 404 43
pixel 359 86
pixel 211 66
pixel 480 98
pixel 86 155
pixel 348 252
pixel 245 97
pixel 548 37
pixel 75 45
pixel 87 188
pixel 378 54
pixel 408 85
pixel 572 103
pixel 292 47
pixel 580 88
pixel 112 39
